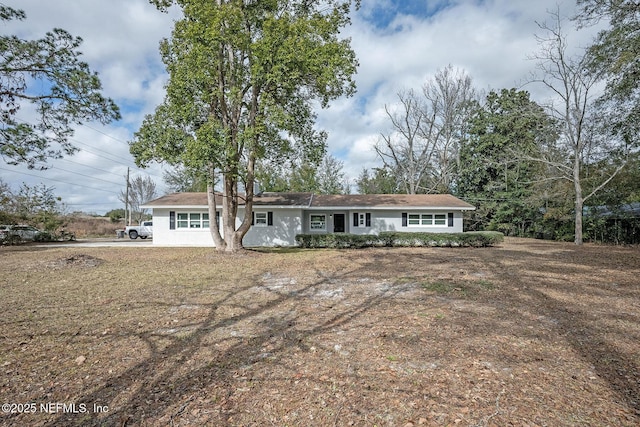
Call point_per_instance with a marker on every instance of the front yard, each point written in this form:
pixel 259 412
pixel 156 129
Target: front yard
pixel 527 333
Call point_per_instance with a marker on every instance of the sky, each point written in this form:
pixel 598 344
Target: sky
pixel 400 44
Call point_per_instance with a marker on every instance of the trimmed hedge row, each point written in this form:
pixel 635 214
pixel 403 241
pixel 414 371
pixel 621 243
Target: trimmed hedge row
pixel 395 239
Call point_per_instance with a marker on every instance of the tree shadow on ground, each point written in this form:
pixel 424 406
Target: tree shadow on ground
pixel 162 380
pixel 585 328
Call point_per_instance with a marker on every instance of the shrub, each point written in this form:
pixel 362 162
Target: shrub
pixel 396 239
pixel 474 239
pixel 339 240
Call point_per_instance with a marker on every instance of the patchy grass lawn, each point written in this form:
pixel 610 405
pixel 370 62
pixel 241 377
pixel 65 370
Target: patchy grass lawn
pixel 529 333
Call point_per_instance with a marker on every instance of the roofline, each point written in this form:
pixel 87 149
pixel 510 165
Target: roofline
pixel 395 208
pixel 323 208
pixel 220 207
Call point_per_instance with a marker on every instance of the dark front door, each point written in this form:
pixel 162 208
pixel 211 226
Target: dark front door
pixel 338 223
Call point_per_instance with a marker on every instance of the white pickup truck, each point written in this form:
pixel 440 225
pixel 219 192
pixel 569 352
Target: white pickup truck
pixel 144 230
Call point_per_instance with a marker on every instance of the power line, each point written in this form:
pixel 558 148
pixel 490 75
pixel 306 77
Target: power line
pixel 92 167
pixel 106 155
pixel 106 134
pixel 57 180
pixel 87 176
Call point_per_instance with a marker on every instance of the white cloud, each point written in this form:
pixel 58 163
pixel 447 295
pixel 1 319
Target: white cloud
pixel 490 40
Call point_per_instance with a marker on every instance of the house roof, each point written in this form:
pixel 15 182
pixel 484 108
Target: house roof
pixel 320 201
pixel 182 200
pixel 389 201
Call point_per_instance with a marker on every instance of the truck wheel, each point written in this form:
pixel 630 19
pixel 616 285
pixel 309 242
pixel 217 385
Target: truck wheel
pixel 133 234
pixel 143 237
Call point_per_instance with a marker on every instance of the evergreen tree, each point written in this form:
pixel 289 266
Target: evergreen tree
pixel 49 74
pixel 494 176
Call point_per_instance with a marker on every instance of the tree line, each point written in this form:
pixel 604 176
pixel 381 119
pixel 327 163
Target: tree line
pixel 246 76
pixel 534 169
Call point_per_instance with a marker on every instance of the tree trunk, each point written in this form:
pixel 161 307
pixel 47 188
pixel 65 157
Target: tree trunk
pixel 579 201
pixel 229 212
pixel 579 205
pixel 232 236
pixel 214 227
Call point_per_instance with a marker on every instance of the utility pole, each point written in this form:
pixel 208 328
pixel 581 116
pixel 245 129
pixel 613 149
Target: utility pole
pixel 127 219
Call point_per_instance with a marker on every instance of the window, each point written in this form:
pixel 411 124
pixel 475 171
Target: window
pixel 183 220
pixel 426 220
pixel 192 220
pixel 362 219
pixel 261 219
pixel 318 222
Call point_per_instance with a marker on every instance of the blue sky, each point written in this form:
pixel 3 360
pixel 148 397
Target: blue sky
pixel 381 14
pixel 400 45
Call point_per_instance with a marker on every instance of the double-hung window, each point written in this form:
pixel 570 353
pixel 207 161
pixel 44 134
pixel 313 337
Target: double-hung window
pixel 261 219
pixel 318 222
pixel 426 220
pixel 414 219
pixel 440 219
pixel 362 219
pixel 192 220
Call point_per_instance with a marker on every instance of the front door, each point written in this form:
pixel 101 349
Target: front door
pixel 338 223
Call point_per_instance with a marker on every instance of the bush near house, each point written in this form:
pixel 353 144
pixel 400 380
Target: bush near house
pixel 342 240
pixel 395 239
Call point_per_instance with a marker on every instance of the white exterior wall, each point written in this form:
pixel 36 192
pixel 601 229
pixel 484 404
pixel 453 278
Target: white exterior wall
pixel 162 235
pixel 287 223
pixel 384 220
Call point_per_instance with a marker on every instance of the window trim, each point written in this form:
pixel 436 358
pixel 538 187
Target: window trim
pixel 190 220
pixel 426 219
pixel 260 219
pixel 362 219
pixel 324 222
pixel 268 218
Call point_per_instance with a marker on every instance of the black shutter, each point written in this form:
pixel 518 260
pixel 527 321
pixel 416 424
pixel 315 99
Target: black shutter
pixel 172 220
pixel 355 219
pixel 404 219
pixel 218 218
pixel 450 219
pixel 269 218
pixel 368 219
pixel 253 218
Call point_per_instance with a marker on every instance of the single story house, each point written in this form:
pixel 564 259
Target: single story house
pixel 183 218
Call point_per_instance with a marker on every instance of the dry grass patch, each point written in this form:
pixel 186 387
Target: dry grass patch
pixel 529 333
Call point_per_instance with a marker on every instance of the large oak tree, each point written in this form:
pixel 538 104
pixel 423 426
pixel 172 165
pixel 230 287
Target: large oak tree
pixel 49 74
pixel 244 77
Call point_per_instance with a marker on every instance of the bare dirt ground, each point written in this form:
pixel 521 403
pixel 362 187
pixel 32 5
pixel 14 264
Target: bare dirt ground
pixel 529 333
